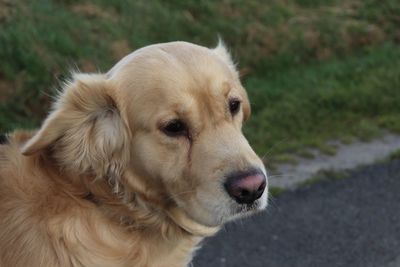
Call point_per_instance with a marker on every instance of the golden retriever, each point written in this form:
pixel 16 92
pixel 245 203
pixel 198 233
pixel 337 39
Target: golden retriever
pixel 133 167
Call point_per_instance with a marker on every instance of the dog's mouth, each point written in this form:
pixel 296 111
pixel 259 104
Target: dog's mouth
pixel 218 212
pixel 247 207
pixel 250 208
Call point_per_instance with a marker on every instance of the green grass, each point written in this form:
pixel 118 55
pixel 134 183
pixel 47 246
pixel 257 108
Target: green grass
pixel 355 96
pixel 395 155
pixel 305 153
pixel 275 191
pixel 316 69
pixel 326 175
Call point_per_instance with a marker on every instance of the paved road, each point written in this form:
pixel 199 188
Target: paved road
pixel 352 222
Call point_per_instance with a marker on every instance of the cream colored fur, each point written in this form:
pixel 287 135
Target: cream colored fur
pixel 101 185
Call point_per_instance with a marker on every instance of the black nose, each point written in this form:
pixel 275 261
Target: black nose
pixel 246 187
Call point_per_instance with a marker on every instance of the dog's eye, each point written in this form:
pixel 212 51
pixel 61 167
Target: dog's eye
pixel 175 128
pixel 234 106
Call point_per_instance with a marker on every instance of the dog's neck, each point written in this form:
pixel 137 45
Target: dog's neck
pixel 134 210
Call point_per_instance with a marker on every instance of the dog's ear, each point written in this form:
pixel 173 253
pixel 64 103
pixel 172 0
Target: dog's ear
pixel 222 52
pixel 246 106
pixel 86 132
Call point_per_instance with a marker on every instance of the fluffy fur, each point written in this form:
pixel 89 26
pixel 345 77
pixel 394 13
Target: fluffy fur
pixel 100 184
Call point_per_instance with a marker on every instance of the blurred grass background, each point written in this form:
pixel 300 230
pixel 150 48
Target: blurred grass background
pixel 315 70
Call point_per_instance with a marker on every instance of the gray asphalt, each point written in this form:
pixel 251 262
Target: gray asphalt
pixel 352 222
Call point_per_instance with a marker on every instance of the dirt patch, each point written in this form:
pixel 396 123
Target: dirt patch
pixel 89 10
pixel 6 89
pixel 120 48
pixel 359 34
pixel 7 9
pixel 87 66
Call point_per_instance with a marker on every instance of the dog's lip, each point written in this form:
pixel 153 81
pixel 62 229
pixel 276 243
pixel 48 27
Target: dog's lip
pixel 248 208
pixel 186 222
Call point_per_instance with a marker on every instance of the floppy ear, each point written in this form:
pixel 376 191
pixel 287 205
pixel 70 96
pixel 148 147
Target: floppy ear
pixel 85 132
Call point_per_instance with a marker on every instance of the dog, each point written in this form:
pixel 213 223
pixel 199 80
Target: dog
pixel 133 167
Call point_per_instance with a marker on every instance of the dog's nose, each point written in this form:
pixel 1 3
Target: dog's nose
pixel 246 187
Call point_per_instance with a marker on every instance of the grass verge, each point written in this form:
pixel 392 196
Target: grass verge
pixel 303 107
pixel 317 70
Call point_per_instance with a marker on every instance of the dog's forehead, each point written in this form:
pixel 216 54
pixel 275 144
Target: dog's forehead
pixel 176 62
pixel 175 76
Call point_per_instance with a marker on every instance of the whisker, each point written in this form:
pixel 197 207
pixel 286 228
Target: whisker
pixel 273 147
pixel 276 175
pixel 272 202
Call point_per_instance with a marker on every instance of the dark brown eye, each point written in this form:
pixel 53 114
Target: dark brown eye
pixel 175 128
pixel 234 106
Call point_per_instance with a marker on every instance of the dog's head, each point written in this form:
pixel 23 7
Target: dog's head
pixel 165 121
